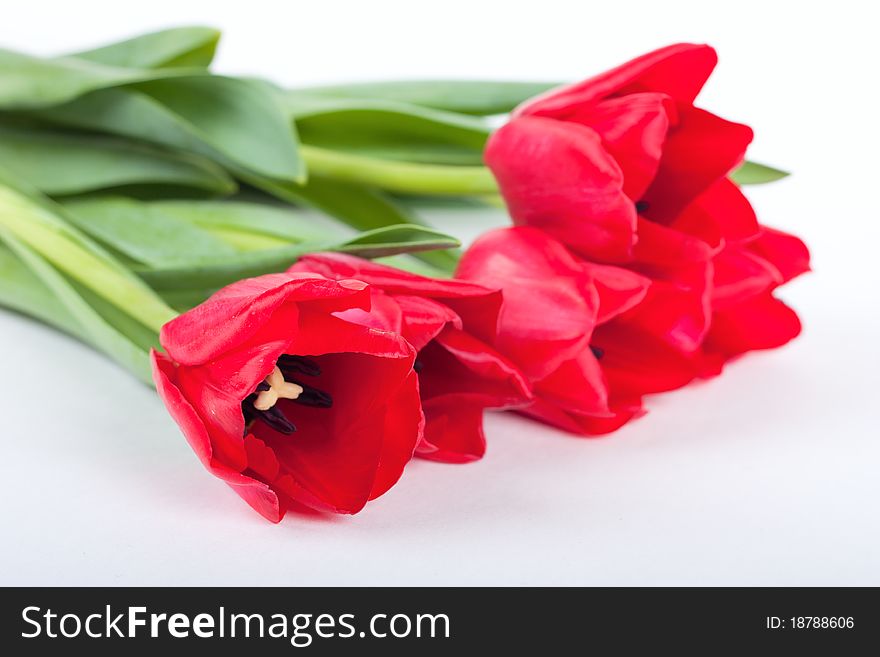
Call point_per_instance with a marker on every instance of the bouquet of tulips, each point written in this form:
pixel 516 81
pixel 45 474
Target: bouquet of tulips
pixel 260 254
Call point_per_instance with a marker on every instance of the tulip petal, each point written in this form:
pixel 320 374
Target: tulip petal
pixel 677 306
pixel 636 362
pixel 577 386
pixel 336 456
pixel 238 311
pixel 558 177
pixel 584 425
pixel 425 318
pixel 721 213
pixel 453 431
pixel 459 364
pixel 739 276
pixel 787 253
pixel 633 130
pixel 475 305
pixel 619 289
pixel 256 493
pixel 660 248
pixel 679 71
pixel 339 266
pixel 384 313
pixel 762 322
pixel 539 279
pixel 404 430
pixel 700 150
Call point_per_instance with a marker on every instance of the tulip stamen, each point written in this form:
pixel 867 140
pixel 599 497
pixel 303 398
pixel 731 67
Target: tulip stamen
pixel 262 404
pixel 278 389
pixel 641 206
pixel 291 367
pixel 299 364
pixel 311 396
pixel 598 352
pixel 273 417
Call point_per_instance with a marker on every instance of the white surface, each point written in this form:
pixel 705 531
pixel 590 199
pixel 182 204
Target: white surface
pixel 768 475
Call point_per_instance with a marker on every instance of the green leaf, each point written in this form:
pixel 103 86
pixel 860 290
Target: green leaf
pixel 752 173
pixel 241 121
pixel 255 224
pixel 358 206
pixel 183 300
pixel 175 47
pixel 58 163
pixel 393 240
pixel 23 291
pixel 40 225
pixel 389 129
pixel 214 274
pixel 88 324
pixel 481 97
pixel 33 82
pixel 144 232
pixel 244 120
pixel 237 123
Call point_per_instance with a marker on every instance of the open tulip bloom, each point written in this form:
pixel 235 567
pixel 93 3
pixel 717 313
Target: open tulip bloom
pixel 285 401
pixel 305 375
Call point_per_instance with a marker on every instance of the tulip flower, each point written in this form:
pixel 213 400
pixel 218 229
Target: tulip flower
pixel 285 401
pixel 452 325
pixel 622 168
pixel 746 316
pixel 589 368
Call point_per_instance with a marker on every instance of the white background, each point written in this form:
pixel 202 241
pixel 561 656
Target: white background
pixel 768 475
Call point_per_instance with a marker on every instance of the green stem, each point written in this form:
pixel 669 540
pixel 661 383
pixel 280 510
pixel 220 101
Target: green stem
pixel 403 177
pixel 73 255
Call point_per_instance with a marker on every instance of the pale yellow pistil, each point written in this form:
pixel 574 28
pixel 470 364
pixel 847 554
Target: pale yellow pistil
pixel 278 389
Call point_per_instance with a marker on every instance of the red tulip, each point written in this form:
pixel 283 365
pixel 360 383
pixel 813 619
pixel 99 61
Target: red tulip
pixel 748 263
pixel 746 316
pixel 285 401
pixel 622 168
pixel 451 324
pixel 641 114
pixel 561 322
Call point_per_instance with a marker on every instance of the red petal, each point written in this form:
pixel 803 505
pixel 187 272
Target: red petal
pixel 676 308
pixel 404 430
pixel 677 315
pixel 540 279
pixel 384 314
pixel 787 253
pixel 636 363
pixel 344 456
pixel 476 305
pixel 238 311
pixel 761 322
pixel 458 364
pixel 257 494
pixel 740 275
pixel 557 176
pixel 577 386
pixel 453 432
pixel 584 425
pixel 699 151
pixel 722 212
pixel 660 248
pixel 619 289
pixel 425 318
pixel 679 71
pixel 394 281
pixel 633 130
